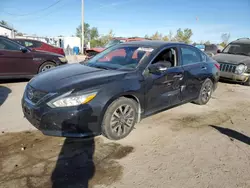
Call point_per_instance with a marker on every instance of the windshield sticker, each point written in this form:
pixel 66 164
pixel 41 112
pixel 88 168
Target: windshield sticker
pixel 145 49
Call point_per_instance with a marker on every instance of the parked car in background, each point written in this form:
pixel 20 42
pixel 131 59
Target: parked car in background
pixel 212 49
pixel 115 89
pixel 117 40
pixel 39 45
pixel 17 61
pixel 235 61
pixel 200 46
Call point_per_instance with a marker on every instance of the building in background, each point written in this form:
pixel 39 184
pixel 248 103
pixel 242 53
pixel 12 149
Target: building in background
pixel 7 31
pixel 67 43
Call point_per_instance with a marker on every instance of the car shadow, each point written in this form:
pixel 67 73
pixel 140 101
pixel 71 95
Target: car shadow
pixel 233 134
pixel 4 93
pixel 7 81
pixel 87 162
pixel 225 81
pixel 75 164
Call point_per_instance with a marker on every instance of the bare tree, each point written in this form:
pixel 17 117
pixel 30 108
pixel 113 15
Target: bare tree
pixel 225 38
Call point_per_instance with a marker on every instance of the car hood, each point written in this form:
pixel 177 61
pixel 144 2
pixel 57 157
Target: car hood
pixel 231 58
pixel 67 77
pixel 41 52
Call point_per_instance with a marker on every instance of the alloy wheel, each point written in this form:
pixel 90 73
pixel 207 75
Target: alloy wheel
pixel 47 67
pixel 206 92
pixel 122 119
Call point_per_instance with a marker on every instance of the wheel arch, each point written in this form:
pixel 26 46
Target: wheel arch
pixel 126 95
pixel 46 61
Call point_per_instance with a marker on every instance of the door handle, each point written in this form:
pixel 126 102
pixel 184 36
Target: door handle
pixel 178 76
pixel 203 68
pixel 162 68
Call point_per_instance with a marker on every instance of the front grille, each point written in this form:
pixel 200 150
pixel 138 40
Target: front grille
pixel 34 95
pixel 227 67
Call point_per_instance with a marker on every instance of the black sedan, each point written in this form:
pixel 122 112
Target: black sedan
pixel 114 90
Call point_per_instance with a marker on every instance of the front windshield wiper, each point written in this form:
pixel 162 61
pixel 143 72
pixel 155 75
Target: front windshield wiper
pixel 98 66
pixel 227 52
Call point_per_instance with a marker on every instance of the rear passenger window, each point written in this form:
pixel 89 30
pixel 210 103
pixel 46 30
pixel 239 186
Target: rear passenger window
pixel 32 44
pixel 28 44
pixel 203 57
pixel 190 55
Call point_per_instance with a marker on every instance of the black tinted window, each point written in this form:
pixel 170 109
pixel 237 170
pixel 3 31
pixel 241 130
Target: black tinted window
pixel 20 42
pixel 8 45
pixel 241 49
pixel 210 47
pixel 190 55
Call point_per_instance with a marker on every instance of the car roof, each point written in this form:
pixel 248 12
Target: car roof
pixel 242 41
pixel 27 39
pixel 151 43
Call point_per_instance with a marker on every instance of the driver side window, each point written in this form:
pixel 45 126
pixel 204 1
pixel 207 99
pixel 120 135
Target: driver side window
pixel 8 45
pixel 167 57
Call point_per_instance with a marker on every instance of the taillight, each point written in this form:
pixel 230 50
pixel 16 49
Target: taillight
pixel 217 65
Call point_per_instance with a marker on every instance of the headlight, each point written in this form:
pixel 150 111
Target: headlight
pixel 68 99
pixel 62 59
pixel 240 69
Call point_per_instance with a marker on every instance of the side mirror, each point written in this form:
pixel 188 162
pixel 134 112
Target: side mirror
pixel 157 68
pixel 23 49
pixel 218 51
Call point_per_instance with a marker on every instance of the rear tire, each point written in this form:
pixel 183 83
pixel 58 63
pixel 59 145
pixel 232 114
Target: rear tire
pixel 120 118
pixel 46 66
pixel 205 92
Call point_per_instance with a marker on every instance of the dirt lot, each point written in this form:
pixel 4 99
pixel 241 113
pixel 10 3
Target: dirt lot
pixel 188 146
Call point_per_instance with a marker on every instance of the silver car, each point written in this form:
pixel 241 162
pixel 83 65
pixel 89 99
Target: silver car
pixel 234 61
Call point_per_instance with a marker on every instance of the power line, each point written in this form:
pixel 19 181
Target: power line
pixel 35 11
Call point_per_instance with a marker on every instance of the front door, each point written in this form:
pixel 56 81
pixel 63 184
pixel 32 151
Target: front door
pixel 13 61
pixel 163 90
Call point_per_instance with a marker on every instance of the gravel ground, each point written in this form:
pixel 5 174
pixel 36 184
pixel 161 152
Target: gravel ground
pixel 187 146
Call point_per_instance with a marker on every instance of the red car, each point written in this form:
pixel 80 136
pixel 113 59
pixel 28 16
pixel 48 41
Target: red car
pixel 17 61
pixel 116 40
pixel 38 45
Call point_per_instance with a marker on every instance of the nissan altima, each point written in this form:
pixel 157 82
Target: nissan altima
pixel 114 90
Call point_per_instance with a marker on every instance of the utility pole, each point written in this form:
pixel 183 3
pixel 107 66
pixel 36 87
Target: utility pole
pixel 82 26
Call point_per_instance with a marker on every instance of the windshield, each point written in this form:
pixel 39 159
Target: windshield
pixel 240 49
pixel 120 57
pixel 112 43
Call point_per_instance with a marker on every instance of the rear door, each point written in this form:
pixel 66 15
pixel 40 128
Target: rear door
pixel 13 61
pixel 195 71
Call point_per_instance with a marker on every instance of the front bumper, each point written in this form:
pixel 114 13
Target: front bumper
pixel 79 121
pixel 235 77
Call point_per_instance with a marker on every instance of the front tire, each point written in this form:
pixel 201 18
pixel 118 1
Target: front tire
pixel 120 118
pixel 205 92
pixel 46 66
